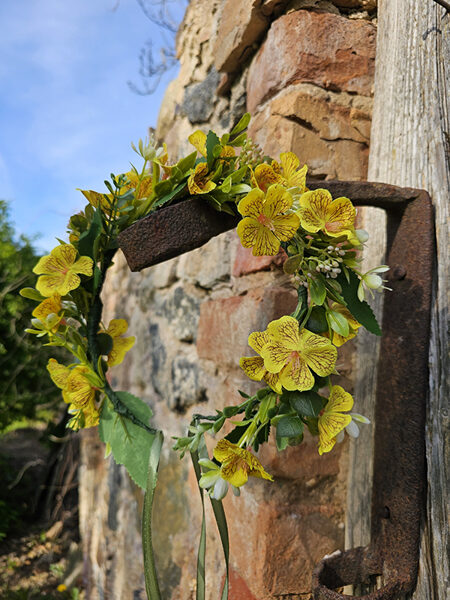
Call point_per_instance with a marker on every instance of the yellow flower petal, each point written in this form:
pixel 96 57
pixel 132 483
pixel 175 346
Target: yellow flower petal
pixel 318 352
pixel 253 366
pixel 117 327
pixel 58 373
pixel 275 356
pixel 252 204
pixel 266 176
pixel 298 179
pixel 257 340
pixel 119 349
pixel 314 209
pixel 198 140
pixel 297 376
pixel 223 450
pixel 47 307
pixel 339 400
pixel 289 163
pixel 48 285
pixel 78 389
pixel 325 444
pixel 278 200
pixel 253 234
pixel 273 381
pixel 340 216
pixel 285 226
pixel 285 331
pixel 198 182
pixel 59 259
pixel 83 265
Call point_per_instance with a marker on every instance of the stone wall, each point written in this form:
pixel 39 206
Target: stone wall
pixel 305 71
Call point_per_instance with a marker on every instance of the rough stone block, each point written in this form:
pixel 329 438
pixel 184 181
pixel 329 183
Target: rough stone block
pixel 199 98
pixel 321 48
pixel 225 324
pixel 245 263
pixel 343 159
pixel 241 25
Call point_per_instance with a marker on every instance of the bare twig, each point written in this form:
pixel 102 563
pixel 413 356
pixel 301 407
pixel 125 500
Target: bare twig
pixel 444 4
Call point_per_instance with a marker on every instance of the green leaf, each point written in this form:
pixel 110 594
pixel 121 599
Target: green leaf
pixel 239 140
pixel 163 188
pixel 130 443
pixel 317 322
pixel 317 290
pixel 87 243
pixel 211 142
pixel 338 322
pixel 178 191
pixel 360 310
pixel 187 163
pixel 306 404
pixel 289 427
pixel 242 124
pixel 292 264
pixel 31 294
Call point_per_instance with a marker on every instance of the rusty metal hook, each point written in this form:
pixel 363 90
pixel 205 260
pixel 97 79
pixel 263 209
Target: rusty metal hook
pixel 399 459
pixel 398 495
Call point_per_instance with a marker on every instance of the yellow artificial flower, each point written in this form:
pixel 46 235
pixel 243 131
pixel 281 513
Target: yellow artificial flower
pixel 198 140
pixel 292 353
pixel 121 345
pixel 264 225
pixel 286 173
pixel 59 270
pixel 254 365
pixel 199 182
pixel 142 187
pixel 97 199
pixel 77 390
pixel 51 305
pixel 319 212
pixel 331 418
pixel 353 325
pixel 238 464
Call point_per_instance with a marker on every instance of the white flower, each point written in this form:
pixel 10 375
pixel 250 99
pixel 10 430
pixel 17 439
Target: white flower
pixel 213 481
pixel 352 428
pixel 372 281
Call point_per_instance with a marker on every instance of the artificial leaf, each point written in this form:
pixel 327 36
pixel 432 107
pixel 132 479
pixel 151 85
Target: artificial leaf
pixel 360 310
pixel 187 163
pixel 242 124
pixel 338 323
pixel 317 290
pixel 175 193
pixel 87 245
pixel 32 294
pixel 289 426
pixel 130 443
pixel 306 404
pixel 211 142
pixel 317 322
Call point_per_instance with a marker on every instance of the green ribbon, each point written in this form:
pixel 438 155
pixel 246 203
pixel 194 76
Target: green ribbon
pixel 151 578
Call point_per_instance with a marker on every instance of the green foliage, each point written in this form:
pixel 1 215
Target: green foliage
pixel 360 310
pixel 129 443
pixel 23 389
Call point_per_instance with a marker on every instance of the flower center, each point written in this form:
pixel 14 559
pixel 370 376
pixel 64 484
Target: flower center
pixel 334 226
pixel 266 222
pixel 294 357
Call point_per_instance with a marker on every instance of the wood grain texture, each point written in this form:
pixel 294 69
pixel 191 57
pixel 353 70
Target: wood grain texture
pixel 410 146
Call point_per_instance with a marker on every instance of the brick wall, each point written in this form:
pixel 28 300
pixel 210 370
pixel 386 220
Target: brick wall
pixel 305 71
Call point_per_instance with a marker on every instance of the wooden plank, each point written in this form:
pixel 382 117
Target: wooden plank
pixel 410 147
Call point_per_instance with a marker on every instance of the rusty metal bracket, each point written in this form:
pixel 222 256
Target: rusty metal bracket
pixel 399 458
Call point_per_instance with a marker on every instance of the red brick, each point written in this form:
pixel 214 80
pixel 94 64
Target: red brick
pixel 225 324
pixel 321 48
pixel 245 262
pixel 238 589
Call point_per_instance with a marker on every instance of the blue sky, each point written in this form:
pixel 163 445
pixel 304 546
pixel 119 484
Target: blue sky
pixel 67 115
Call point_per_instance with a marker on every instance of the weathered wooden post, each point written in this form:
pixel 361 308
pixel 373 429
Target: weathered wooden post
pixel 410 146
